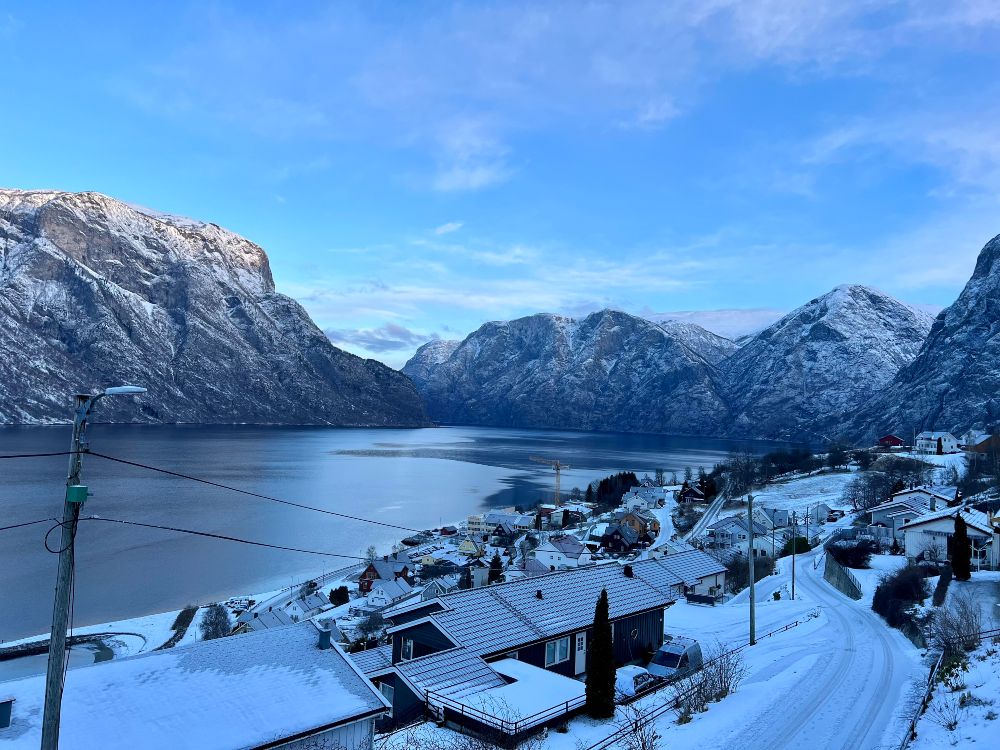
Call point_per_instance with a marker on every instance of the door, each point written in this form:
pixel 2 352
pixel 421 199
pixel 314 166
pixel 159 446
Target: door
pixel 581 653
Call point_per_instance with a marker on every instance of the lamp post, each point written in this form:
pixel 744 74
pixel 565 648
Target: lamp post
pixel 76 494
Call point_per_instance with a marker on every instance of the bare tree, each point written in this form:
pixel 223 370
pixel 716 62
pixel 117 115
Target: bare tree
pixel 635 730
pixel 955 628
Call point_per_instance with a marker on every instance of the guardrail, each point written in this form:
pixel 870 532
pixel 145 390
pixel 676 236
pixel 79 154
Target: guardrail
pixel 508 727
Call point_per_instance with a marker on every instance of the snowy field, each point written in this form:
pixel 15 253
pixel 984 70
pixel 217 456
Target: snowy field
pixel 799 494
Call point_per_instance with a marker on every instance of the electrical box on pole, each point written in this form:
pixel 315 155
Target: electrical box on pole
pixel 77 493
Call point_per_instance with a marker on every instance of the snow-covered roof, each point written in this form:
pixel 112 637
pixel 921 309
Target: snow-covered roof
pixel 934 435
pixel 974 518
pixel 235 692
pixel 392 589
pixel 504 616
pixel 567 544
pixel 739 522
pixel 373 660
pixel 692 566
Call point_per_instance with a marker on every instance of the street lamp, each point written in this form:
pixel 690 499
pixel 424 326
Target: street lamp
pixel 76 494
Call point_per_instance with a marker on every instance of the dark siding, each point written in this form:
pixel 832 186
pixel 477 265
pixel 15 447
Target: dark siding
pixel 427 639
pixel 415 614
pixel 634 636
pixel 406 706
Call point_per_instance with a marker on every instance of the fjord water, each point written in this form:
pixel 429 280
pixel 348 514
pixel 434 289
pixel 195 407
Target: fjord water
pixel 418 478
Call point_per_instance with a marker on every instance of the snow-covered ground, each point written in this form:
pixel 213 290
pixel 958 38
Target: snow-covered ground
pixel 800 493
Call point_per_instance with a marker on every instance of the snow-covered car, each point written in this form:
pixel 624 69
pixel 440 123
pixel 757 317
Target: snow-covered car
pixel 675 658
pixel 631 679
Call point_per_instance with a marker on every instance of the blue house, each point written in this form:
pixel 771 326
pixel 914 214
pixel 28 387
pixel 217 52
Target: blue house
pixel 451 653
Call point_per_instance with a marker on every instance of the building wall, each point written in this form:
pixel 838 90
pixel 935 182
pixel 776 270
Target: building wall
pixel 356 736
pixel 406 707
pixel 427 639
pixel 937 533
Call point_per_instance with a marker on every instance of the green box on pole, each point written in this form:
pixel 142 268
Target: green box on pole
pixel 76 493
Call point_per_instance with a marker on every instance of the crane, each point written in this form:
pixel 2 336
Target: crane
pixel 555 464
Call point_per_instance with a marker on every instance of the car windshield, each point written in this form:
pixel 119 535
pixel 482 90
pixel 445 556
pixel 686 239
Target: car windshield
pixel 666 659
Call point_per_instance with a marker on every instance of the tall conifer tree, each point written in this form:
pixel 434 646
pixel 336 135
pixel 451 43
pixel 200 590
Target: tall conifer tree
pixel 961 553
pixel 601 673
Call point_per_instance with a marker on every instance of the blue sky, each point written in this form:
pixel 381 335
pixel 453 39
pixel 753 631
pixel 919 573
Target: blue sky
pixel 416 169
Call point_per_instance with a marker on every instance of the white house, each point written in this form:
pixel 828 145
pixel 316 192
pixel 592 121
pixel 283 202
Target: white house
pixel 927 442
pixel 971 438
pixel 903 507
pixel 561 551
pixel 285 687
pixel 733 534
pixel 929 535
pixel 645 497
pixel 384 593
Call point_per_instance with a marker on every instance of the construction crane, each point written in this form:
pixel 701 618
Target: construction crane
pixel 555 464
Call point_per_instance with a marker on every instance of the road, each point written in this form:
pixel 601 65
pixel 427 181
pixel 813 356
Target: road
pixel 842 686
pixel 707 518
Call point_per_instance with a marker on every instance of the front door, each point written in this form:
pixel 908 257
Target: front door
pixel 581 653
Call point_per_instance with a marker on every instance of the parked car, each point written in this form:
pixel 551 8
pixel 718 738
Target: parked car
pixel 631 679
pixel 677 657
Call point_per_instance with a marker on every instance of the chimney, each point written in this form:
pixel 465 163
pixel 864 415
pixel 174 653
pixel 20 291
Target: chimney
pixel 324 638
pixel 933 503
pixel 627 570
pixel 538 594
pixel 6 707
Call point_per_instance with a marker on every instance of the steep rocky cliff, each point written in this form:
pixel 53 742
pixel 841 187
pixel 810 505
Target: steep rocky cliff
pixel 954 381
pixel 94 292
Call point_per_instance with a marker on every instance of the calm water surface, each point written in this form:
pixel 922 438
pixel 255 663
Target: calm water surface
pixel 417 478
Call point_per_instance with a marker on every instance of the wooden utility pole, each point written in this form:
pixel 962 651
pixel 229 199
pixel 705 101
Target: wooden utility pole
pixel 795 541
pixel 76 495
pixel 753 603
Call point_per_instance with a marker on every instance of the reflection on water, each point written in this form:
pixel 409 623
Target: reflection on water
pixel 413 478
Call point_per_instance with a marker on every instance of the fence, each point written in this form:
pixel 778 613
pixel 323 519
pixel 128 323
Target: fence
pixel 911 727
pixel 841 578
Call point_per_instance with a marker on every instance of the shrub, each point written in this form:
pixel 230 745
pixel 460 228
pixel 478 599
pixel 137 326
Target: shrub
pixel 738 571
pixel 955 629
pixel 897 592
pixel 853 553
pixel 339 595
pixel 941 590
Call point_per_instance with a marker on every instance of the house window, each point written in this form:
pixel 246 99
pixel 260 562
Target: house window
pixel 406 652
pixel 387 690
pixel 557 651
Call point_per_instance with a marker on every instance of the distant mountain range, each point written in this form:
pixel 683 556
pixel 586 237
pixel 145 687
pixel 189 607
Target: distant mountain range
pixel 853 363
pixel 94 292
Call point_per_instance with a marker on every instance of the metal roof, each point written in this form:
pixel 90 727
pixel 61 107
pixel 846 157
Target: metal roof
pixel 373 659
pixel 455 673
pixel 693 565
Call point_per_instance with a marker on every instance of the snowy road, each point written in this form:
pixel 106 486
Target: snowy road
pixel 848 684
pixel 708 517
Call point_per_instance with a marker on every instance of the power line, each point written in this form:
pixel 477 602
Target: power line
pixel 223 537
pixel 39 455
pixel 26 523
pixel 251 494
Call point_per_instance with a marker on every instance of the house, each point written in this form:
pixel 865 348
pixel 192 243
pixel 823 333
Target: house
pixel 449 530
pixel 619 539
pixel 928 442
pixel 986 444
pixel 901 508
pixel 519 643
pixel 484 523
pixel 386 569
pixel 929 536
pixel 527 567
pixel 440 587
pixel 816 513
pixel 891 441
pixel 503 535
pixel 288 687
pixel 690 494
pixel 384 593
pixel 772 518
pixel 702 574
pixel 733 534
pixel 970 438
pixel 562 551
pixel 471 547
pixel 645 497
pixel 642 522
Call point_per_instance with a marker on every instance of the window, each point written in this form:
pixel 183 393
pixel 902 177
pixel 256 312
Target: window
pixel 406 652
pixel 556 651
pixel 387 690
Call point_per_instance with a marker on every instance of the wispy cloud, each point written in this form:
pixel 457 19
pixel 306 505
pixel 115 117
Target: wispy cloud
pixel 448 228
pixel 390 337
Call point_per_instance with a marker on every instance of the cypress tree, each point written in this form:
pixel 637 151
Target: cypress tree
pixel 496 569
pixel 465 579
pixel 940 447
pixel 601 674
pixel 961 553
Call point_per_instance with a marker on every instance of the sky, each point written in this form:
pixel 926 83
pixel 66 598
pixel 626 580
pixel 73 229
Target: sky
pixel 416 169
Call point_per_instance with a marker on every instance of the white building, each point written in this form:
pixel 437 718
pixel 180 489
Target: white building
pixel 645 497
pixel 929 535
pixel 902 508
pixel 733 534
pixel 562 551
pixel 384 593
pixel 280 688
pixel 927 442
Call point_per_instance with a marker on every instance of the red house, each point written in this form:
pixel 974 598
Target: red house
pixel 891 441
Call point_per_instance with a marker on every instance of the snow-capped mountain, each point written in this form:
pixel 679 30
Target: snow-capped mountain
pixel 608 371
pixel 94 292
pixel 954 381
pixel 797 377
pixel 794 380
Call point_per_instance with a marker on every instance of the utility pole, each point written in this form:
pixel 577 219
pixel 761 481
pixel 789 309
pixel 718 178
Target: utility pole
pixel 76 494
pixel 795 541
pixel 753 603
